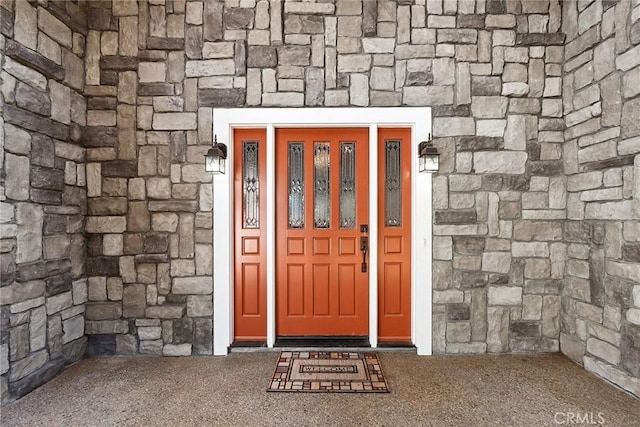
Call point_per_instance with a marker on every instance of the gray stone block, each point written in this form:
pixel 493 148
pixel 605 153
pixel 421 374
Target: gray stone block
pixel 74 351
pixel 203 336
pixel 17 173
pixel 33 100
pixel 524 329
pixel 458 312
pixel 261 57
pixel 165 43
pixel 29 383
pixel 469 279
pixel 33 122
pixel 222 97
pixel 213 15
pixel 303 24
pixel 6 23
pixel 34 60
pixel 165 312
pixel 177 350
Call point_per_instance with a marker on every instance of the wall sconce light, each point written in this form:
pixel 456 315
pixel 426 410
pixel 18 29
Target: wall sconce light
pixel 428 156
pixel 216 158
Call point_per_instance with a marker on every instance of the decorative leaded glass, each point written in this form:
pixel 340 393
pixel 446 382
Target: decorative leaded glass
pixel 393 185
pixel 347 185
pixel 296 185
pixel 251 184
pixel 321 185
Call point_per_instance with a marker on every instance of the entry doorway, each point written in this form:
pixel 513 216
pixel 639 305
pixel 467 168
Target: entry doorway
pixel 385 297
pixel 322 232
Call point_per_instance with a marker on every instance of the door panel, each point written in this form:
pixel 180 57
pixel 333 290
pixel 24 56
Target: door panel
pixel 321 290
pixel 347 283
pixel 322 196
pixel 250 289
pixel 295 290
pixel 394 228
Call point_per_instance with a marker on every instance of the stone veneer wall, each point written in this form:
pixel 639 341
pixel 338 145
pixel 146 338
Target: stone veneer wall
pixel 601 295
pixel 491 70
pixel 42 192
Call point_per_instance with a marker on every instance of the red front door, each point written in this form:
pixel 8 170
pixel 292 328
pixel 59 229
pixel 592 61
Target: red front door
pixel 250 290
pixel 394 235
pixel 322 202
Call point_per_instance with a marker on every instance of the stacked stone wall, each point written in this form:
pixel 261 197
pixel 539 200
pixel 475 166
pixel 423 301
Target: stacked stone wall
pixel 535 204
pixel 42 192
pixel 491 70
pixel 601 294
pixel 149 124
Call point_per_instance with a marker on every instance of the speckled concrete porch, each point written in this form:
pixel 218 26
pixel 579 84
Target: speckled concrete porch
pixel 440 390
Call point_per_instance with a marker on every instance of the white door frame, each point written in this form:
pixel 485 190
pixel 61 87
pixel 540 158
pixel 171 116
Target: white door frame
pixel 417 118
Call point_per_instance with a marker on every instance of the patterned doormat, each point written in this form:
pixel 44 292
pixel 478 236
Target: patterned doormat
pixel 328 371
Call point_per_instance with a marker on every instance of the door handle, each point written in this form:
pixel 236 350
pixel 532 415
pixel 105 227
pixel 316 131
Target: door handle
pixel 364 247
pixel 364 244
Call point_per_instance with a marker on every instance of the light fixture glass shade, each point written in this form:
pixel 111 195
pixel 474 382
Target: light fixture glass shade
pixel 216 158
pixel 429 158
pixel 429 163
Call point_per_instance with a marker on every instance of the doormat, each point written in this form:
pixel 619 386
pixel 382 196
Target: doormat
pixel 328 371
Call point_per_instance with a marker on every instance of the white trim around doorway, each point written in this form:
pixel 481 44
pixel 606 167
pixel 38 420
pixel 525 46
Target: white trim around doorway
pixel 417 118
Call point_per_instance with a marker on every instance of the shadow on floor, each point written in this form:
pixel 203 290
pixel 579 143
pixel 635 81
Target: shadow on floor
pixel 425 391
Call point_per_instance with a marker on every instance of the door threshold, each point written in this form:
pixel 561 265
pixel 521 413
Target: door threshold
pixel 257 349
pixel 322 342
pixel 396 344
pixel 248 344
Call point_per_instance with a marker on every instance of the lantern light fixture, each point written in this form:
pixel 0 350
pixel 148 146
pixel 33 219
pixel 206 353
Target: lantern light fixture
pixel 428 156
pixel 216 157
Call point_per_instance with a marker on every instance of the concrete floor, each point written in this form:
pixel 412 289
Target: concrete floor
pixel 425 391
